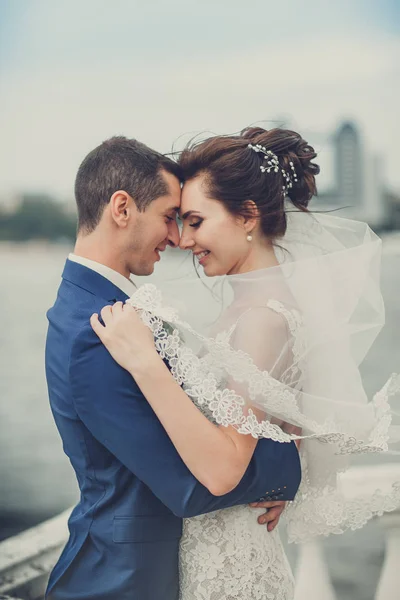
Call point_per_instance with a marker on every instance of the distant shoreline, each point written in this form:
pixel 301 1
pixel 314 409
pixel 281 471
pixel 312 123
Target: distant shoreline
pixel 390 240
pixel 36 245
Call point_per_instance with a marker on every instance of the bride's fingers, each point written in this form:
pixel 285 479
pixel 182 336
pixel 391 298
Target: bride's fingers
pixel 106 314
pixel 128 308
pixel 132 312
pixel 117 308
pixel 97 327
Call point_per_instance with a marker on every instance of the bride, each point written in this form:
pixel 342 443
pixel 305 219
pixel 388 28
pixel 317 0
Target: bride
pixel 270 348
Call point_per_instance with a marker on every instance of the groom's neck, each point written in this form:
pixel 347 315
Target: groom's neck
pixel 94 247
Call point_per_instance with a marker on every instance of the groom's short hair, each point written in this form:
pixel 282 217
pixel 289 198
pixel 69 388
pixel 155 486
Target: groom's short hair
pixel 119 163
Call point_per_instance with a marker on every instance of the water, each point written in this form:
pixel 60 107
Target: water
pixel 37 481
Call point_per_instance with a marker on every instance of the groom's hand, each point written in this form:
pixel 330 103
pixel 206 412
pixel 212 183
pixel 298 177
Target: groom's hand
pixel 271 517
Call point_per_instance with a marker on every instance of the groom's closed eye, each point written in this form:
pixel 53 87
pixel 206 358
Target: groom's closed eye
pixel 171 214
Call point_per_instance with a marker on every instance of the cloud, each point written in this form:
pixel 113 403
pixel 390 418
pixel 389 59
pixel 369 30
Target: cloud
pixel 57 33
pixel 52 115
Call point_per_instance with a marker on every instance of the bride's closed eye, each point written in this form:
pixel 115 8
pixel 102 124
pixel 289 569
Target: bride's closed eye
pixel 197 223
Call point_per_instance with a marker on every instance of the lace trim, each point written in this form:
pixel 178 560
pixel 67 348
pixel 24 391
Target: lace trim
pixel 201 380
pixel 321 510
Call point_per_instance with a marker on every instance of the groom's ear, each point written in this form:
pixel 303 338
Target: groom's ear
pixel 122 208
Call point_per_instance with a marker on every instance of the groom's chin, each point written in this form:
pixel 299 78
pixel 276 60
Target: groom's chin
pixel 144 269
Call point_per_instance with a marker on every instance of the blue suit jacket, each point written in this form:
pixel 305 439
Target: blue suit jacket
pixel 135 489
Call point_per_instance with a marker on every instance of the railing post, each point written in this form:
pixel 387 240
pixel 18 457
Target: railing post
pixel 389 583
pixel 312 577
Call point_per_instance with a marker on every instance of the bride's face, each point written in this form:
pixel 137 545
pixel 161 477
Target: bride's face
pixel 215 236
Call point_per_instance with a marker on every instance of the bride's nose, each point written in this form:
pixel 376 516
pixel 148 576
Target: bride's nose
pixel 186 240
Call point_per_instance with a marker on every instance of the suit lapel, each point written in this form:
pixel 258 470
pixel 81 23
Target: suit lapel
pixel 92 282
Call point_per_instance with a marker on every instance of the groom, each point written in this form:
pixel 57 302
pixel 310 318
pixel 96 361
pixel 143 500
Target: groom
pixel 135 489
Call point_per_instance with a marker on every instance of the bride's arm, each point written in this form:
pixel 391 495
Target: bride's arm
pixel 217 456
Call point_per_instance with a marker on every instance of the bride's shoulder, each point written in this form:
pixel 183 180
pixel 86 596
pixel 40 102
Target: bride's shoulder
pixel 274 317
pixel 261 318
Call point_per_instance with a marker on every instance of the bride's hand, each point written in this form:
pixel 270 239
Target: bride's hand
pixel 124 335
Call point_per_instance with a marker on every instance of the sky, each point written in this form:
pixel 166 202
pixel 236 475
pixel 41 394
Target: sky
pixel 75 73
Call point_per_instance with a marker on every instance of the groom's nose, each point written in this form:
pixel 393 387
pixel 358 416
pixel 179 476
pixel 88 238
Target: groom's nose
pixel 173 234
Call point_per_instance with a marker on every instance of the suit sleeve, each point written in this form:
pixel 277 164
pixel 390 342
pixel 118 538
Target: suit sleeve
pixel 112 407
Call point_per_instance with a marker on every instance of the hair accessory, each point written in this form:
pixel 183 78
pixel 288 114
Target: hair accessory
pixel 273 165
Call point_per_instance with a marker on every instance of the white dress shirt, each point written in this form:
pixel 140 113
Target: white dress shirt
pixel 124 284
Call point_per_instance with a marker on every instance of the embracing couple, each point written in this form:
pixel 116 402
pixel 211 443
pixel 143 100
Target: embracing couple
pixel 180 498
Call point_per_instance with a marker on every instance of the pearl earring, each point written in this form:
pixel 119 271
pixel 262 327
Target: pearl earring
pixel 249 238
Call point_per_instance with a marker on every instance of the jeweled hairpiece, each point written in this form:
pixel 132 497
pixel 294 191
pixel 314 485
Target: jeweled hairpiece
pixel 273 165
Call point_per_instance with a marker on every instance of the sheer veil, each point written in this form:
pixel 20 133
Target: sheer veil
pixel 275 353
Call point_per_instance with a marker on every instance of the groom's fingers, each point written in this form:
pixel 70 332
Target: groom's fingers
pixel 271 518
pixel 270 515
pixel 268 503
pixel 272 524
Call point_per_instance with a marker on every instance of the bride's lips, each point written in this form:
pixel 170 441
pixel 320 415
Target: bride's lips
pixel 202 257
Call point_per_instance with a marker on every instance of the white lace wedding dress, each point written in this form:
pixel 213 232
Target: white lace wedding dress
pixel 228 555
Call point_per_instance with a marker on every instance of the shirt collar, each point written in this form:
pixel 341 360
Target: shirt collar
pixel 121 282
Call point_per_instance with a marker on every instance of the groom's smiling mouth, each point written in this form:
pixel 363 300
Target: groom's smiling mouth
pixel 158 250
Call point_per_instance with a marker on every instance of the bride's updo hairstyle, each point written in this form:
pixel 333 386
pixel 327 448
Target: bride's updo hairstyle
pixel 236 172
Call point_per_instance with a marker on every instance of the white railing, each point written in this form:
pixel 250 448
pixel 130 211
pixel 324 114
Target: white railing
pixel 312 578
pixel 26 559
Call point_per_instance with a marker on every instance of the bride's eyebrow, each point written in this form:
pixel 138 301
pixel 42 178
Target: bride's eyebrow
pixel 189 213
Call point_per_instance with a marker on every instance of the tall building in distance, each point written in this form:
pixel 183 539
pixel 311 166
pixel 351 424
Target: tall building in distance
pixel 348 165
pixel 357 189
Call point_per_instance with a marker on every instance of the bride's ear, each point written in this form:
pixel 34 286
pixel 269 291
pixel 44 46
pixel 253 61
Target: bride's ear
pixel 250 215
pixel 122 208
